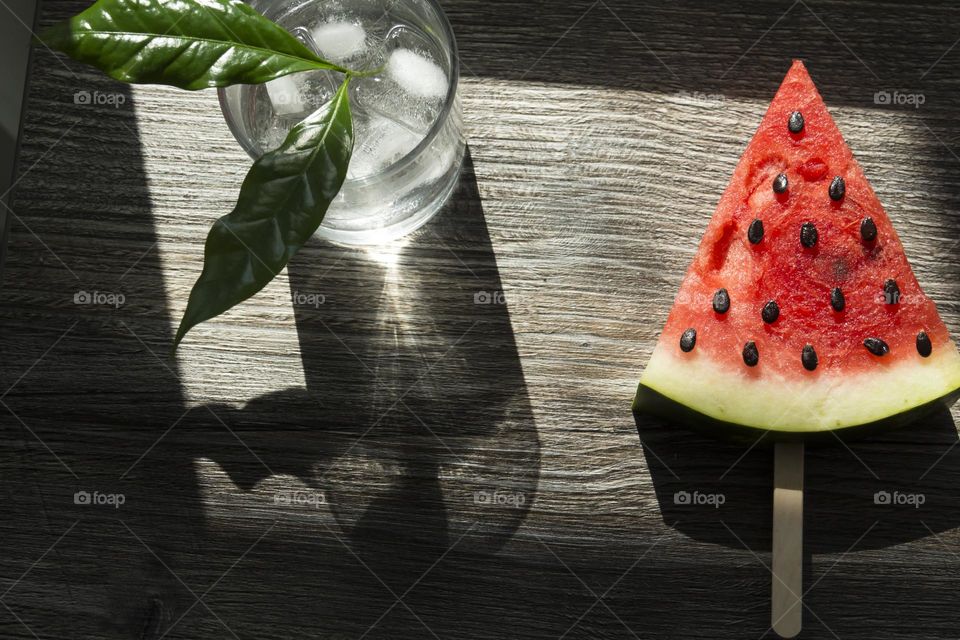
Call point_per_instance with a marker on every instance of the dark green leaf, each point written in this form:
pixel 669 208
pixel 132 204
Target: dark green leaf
pixel 191 44
pixel 282 202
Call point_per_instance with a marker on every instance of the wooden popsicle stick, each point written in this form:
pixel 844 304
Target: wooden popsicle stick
pixel 786 612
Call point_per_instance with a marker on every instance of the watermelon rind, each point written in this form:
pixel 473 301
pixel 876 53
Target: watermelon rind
pixel 697 394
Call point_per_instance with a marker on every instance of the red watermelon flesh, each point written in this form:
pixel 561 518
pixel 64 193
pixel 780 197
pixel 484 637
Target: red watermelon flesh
pixel 872 365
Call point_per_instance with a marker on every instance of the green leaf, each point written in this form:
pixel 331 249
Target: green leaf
pixel 191 44
pixel 282 202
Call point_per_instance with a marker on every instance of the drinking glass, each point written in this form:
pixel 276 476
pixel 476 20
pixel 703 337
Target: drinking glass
pixel 408 132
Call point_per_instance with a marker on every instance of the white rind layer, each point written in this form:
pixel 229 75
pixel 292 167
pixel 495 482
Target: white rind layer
pixel 817 401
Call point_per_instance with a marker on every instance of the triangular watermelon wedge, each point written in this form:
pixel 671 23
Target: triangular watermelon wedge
pixel 800 312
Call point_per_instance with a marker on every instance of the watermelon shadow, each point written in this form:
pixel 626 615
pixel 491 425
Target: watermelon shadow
pixel 859 496
pixel 888 489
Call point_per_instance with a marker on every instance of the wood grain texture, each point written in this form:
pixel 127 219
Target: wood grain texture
pixel 786 562
pixel 464 471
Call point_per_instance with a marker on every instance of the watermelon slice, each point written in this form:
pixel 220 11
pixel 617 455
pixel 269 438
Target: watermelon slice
pixel 800 313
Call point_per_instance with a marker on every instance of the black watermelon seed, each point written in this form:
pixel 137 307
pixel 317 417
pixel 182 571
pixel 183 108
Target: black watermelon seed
pixel 780 183
pixel 876 346
pixel 809 358
pixel 688 340
pixel 837 188
pixel 808 234
pixel 755 231
pixel 721 301
pixel 750 354
pixel 795 122
pixel 868 230
pixel 837 301
pixel 924 348
pixel 891 292
pixel 770 312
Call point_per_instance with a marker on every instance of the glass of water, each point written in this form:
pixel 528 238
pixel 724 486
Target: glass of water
pixel 408 132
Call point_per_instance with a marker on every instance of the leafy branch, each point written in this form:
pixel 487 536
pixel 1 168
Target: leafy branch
pixel 190 44
pixel 282 202
pixel 197 44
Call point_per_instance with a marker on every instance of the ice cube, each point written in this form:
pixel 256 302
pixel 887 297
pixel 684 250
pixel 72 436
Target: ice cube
pixel 385 96
pixel 380 142
pixel 285 96
pixel 295 96
pixel 417 75
pixel 316 88
pixel 382 96
pixel 272 138
pixel 340 41
pixel 393 139
pixel 413 83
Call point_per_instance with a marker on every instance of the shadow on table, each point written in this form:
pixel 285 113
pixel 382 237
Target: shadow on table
pixel 852 50
pixel 415 411
pixel 84 399
pixel 876 493
pixel 414 425
pixel 846 486
pixel 691 57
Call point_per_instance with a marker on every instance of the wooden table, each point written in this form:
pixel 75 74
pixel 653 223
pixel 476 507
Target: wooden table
pixel 400 462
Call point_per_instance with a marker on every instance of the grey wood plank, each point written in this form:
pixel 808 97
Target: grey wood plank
pixel 270 468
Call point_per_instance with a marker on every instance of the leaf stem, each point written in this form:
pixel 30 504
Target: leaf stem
pixel 366 74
